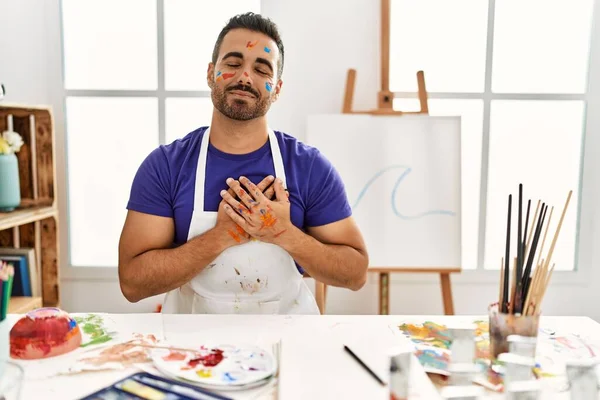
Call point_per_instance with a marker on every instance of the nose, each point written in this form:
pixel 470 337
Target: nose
pixel 245 78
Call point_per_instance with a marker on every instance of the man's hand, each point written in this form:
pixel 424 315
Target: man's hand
pixel 235 234
pixel 256 214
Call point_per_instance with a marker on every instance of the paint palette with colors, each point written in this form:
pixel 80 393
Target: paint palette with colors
pixel 218 366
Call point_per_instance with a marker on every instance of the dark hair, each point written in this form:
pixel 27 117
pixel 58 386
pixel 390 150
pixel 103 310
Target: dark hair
pixel 256 23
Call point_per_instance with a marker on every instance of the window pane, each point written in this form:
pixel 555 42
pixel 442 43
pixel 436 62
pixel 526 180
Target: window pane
pixel 109 44
pixel 538 144
pixel 541 46
pixel 183 115
pixel 107 139
pixel 191 30
pixel 471 112
pixel 445 39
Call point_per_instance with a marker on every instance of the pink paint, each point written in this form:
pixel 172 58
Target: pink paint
pixel 174 356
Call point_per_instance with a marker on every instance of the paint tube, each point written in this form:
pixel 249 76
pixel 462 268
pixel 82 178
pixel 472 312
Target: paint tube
pixel 462 347
pixel 522 345
pixel 524 390
pixel 463 392
pixel 517 367
pixel 583 381
pixel 400 360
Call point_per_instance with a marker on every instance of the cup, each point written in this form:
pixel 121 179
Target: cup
pixel 11 380
pixel 4 342
pixel 504 325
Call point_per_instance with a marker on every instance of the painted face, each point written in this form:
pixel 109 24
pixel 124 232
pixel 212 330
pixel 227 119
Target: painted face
pixel 244 80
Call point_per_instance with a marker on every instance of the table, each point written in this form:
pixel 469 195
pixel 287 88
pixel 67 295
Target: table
pixel 313 363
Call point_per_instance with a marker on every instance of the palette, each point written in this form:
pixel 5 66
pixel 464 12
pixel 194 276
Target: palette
pixel 222 366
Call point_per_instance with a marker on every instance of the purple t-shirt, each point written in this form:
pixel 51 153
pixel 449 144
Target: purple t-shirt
pixel 164 183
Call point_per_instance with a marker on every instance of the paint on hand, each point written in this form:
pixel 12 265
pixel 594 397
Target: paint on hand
pixel 267 50
pixel 250 45
pixel 280 233
pixel 267 218
pixel 234 235
pixel 174 356
pixel 268 86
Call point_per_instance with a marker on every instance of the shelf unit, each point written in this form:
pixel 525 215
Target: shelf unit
pixel 34 223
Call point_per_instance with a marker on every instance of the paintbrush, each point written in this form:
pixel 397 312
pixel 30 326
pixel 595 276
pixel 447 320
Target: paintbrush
pixel 525 236
pixel 530 234
pixel 369 370
pixel 504 305
pixel 519 274
pixel 527 272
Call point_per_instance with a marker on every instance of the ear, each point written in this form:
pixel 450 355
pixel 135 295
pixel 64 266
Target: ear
pixel 210 74
pixel 277 89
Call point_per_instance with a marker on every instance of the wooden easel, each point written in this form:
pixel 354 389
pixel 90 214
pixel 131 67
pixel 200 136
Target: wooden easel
pixel 385 100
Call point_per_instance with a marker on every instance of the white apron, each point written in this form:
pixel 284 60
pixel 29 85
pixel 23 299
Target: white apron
pixel 251 278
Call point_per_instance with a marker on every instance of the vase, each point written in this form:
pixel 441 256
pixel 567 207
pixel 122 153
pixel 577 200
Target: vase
pixel 10 190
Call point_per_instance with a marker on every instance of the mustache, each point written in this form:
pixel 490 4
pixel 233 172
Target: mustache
pixel 245 88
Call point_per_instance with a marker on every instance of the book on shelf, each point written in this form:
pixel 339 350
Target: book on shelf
pixel 26 280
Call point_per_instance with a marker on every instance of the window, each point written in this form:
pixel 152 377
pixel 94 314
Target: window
pixel 129 87
pixel 516 72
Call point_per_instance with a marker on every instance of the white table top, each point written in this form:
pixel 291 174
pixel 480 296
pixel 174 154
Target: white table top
pixel 313 362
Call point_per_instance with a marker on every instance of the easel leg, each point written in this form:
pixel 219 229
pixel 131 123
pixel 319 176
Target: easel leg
pixel 447 294
pixel 384 293
pixel 320 296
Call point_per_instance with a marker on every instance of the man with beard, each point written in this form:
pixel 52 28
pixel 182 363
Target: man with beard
pixel 226 219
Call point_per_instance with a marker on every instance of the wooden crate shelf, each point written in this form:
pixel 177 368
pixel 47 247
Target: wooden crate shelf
pixel 25 216
pixel 21 305
pixel 34 224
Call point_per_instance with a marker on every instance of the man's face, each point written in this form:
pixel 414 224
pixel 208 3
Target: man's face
pixel 244 80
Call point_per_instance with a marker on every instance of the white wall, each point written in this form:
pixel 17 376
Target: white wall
pixel 23 51
pixel 314 78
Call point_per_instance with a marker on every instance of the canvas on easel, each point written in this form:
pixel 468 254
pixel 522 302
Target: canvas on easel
pixel 402 172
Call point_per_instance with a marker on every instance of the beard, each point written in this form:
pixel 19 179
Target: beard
pixel 240 109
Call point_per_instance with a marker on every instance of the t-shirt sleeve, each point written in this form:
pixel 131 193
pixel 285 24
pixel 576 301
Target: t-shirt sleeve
pixel 151 190
pixel 327 199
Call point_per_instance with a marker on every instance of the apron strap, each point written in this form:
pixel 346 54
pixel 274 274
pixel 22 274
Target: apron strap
pixel 277 158
pixel 201 172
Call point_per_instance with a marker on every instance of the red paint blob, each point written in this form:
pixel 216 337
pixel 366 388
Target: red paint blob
pixel 210 360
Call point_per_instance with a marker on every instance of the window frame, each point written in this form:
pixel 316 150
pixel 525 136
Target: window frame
pixel 587 187
pixel 69 271
pixel 580 271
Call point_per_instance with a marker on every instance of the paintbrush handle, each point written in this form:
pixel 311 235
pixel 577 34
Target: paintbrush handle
pixel 373 374
pixel 157 346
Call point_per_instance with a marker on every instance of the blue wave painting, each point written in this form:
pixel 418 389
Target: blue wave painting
pixel 407 170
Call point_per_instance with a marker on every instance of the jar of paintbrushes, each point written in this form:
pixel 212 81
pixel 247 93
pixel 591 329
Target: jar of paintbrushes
pixel 523 282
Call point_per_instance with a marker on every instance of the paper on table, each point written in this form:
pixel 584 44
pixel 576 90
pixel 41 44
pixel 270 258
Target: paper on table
pixel 96 328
